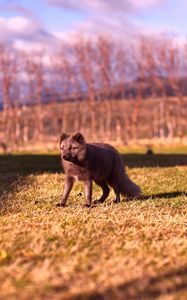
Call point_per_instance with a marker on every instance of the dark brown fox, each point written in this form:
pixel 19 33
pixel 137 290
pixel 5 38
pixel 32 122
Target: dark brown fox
pixel 94 162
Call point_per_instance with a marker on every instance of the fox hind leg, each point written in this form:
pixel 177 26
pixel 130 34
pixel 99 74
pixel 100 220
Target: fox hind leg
pixel 105 190
pixel 116 188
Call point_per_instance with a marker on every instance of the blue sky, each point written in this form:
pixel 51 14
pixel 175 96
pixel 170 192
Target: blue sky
pixel 171 17
pixel 39 21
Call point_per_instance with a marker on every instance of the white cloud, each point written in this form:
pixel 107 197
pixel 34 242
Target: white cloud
pixel 99 6
pixel 114 28
pixel 29 47
pixel 146 3
pixel 16 27
pixel 26 34
pixel 16 8
pixel 115 18
pixel 20 25
pixel 108 17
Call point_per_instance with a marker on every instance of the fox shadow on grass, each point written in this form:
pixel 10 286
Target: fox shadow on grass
pixel 168 195
pixel 166 284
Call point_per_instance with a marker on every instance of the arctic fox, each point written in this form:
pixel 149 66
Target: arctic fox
pixel 96 162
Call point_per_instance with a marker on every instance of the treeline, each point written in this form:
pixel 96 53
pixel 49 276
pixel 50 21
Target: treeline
pixel 95 73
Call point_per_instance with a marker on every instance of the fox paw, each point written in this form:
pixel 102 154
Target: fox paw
pixel 87 205
pixel 116 201
pixel 98 201
pixel 60 205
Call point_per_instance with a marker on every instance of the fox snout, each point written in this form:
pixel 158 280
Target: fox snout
pixel 66 156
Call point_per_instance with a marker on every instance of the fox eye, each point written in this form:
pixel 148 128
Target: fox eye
pixel 75 147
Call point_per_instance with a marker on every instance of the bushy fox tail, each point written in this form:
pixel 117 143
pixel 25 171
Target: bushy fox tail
pixel 128 188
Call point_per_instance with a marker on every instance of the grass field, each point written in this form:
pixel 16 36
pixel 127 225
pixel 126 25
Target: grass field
pixel 133 250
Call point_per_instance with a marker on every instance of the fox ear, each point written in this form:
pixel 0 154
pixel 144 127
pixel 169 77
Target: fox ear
pixel 78 137
pixel 63 137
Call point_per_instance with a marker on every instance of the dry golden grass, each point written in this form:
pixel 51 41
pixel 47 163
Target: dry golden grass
pixel 133 250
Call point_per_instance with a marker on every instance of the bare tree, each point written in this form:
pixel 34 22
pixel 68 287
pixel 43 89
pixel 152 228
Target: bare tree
pixel 84 52
pixel 7 76
pixel 35 72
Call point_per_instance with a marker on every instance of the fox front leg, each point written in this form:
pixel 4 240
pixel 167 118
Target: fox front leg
pixel 67 189
pixel 88 192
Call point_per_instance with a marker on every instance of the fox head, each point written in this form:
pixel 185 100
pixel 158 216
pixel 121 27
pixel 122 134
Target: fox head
pixel 72 147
